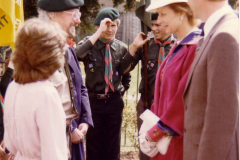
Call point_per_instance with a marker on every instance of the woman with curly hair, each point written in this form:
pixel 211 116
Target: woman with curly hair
pixel 34 118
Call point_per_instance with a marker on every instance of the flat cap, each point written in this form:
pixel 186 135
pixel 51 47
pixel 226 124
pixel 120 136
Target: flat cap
pixel 108 12
pixel 59 5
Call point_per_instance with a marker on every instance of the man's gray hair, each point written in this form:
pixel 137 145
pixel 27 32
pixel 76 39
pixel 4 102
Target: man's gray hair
pixel 45 15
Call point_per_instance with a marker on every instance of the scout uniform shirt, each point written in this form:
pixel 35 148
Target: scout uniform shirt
pixel 93 58
pixel 152 64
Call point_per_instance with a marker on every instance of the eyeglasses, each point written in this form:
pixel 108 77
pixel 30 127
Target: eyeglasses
pixel 75 15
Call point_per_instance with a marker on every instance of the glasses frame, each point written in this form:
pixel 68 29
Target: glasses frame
pixel 75 15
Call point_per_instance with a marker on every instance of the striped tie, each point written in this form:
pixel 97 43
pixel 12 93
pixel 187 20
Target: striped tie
pixel 108 66
pixel 161 55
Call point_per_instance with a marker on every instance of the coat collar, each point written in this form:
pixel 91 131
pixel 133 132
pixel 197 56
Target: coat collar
pixel 192 37
pixel 171 37
pixel 178 51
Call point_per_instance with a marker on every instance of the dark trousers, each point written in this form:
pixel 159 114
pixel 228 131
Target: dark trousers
pixel 140 110
pixel 103 140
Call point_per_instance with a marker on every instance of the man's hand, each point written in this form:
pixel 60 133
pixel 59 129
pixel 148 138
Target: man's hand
pixel 138 42
pixel 83 128
pixel 77 136
pixel 104 24
pixel 102 28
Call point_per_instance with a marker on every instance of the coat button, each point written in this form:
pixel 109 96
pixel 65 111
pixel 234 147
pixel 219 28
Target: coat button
pixel 184 130
pixel 185 107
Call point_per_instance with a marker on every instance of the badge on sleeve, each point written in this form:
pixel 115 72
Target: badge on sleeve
pixel 152 65
pixel 116 73
pixel 91 67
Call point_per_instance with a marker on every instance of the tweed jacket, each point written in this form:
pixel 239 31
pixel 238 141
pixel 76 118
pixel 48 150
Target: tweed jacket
pixel 211 95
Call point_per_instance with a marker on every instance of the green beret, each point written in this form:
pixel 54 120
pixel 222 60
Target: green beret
pixel 109 12
pixel 59 5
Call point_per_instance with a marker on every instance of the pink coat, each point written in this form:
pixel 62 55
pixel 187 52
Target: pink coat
pixel 168 98
pixel 35 122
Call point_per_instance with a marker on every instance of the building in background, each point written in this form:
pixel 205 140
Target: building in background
pixel 130 25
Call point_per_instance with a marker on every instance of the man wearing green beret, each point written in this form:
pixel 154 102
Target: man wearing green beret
pixel 68 80
pixel 105 59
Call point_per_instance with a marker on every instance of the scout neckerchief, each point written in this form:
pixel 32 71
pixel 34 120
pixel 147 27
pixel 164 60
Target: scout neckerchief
pixel 1 102
pixel 108 66
pixel 161 55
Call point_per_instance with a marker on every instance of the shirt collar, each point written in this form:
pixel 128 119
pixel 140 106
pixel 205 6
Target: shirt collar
pixel 192 35
pixel 191 38
pixel 215 17
pixel 100 45
pixel 170 37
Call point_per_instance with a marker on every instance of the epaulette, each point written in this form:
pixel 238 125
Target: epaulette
pixel 151 37
pixel 83 40
pixel 121 42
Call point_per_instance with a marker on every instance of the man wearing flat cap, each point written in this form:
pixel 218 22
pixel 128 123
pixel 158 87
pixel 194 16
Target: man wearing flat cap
pixel 105 59
pixel 68 80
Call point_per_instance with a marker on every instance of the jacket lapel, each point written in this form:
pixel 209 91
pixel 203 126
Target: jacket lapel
pixel 71 62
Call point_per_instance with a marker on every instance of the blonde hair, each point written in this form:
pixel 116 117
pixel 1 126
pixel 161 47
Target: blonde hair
pixel 39 51
pixel 184 7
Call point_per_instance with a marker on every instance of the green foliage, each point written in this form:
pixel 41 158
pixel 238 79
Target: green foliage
pixel 129 122
pixel 128 6
pixel 89 12
pixel 30 8
pixel 117 2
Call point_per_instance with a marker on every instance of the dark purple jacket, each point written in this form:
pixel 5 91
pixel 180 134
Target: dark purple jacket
pixel 81 102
